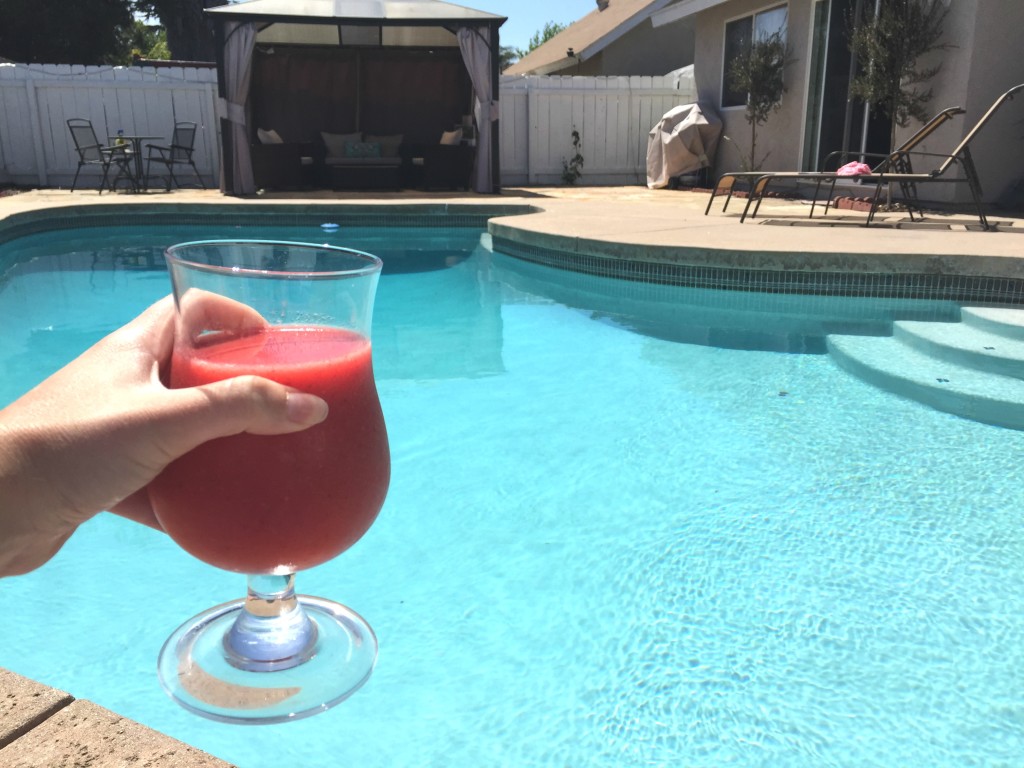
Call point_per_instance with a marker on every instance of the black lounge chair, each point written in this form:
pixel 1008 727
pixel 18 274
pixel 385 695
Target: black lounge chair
pixel 759 181
pixel 91 152
pixel 178 153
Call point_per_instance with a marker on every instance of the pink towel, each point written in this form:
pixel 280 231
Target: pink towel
pixel 854 169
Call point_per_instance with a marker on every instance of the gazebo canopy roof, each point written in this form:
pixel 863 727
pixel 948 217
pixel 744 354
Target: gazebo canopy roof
pixel 354 12
pixel 364 28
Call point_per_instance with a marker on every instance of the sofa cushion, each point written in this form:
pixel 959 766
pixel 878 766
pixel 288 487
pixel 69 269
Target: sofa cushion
pixel 335 142
pixel 341 162
pixel 451 137
pixel 362 149
pixel 389 144
pixel 269 137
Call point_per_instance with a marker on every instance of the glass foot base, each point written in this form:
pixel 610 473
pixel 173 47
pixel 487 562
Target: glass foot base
pixel 200 673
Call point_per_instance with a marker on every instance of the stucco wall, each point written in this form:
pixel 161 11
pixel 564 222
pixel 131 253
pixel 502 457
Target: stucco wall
pixel 984 63
pixel 649 50
pixel 644 50
pixel 995 66
pixel 779 139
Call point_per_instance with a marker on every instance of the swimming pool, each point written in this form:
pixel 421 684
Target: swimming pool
pixel 601 547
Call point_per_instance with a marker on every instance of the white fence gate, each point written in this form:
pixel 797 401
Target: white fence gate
pixel 37 100
pixel 613 116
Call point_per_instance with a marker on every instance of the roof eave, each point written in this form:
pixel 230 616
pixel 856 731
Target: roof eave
pixel 598 45
pixel 681 10
pixel 627 25
pixel 237 12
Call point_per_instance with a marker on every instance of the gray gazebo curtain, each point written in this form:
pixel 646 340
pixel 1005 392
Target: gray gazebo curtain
pixel 239 43
pixel 476 52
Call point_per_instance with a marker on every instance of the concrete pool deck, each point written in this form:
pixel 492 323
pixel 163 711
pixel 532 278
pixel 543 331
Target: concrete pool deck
pixel 665 225
pixel 40 725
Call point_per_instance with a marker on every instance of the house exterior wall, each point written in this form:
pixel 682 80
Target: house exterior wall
pixel 644 50
pixel 982 63
pixel 986 65
pixel 779 139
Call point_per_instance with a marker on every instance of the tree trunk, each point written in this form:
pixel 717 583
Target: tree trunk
pixel 189 34
pixel 753 147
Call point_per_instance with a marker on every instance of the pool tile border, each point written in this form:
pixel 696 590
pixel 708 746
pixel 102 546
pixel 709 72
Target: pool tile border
pixel 678 266
pixel 677 272
pixel 440 216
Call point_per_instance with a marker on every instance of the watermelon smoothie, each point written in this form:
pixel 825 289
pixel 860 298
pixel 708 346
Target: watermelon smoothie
pixel 274 504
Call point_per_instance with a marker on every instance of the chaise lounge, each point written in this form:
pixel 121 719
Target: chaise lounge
pixel 760 181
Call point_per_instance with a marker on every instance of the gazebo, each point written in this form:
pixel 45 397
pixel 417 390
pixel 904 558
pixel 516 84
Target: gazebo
pixel 355 60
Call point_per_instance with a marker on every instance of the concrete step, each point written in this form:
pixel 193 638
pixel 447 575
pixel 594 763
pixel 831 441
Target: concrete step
pixel 998 320
pixel 946 385
pixel 982 346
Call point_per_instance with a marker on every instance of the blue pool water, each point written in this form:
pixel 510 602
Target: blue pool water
pixel 602 546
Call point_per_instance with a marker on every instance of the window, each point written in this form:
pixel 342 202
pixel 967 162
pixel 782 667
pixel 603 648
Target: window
pixel 739 35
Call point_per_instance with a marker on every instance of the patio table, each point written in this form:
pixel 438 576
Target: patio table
pixel 136 150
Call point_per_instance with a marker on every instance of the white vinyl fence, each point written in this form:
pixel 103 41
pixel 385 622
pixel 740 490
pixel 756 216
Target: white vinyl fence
pixel 37 100
pixel 613 116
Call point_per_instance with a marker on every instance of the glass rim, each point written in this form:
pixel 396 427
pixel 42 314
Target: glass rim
pixel 372 263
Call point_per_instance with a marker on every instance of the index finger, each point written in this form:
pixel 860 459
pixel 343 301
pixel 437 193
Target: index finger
pixel 208 317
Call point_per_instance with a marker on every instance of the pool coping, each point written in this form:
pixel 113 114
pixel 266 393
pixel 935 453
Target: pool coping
pixel 577 236
pixel 41 725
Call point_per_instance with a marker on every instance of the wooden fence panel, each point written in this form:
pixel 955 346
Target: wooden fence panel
pixel 515 132
pixel 613 116
pixel 38 100
pixel 16 149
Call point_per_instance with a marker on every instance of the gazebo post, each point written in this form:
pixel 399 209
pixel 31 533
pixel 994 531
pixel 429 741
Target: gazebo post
pixel 496 92
pixel 226 170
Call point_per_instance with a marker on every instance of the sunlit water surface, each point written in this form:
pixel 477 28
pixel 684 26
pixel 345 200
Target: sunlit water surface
pixel 601 547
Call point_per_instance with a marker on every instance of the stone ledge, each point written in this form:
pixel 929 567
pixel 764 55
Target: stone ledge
pixel 41 726
pixel 24 704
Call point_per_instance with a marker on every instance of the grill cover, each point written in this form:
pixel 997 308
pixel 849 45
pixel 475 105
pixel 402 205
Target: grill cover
pixel 683 141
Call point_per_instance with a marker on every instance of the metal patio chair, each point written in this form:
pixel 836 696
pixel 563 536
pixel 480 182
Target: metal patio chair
pixel 942 172
pixel 91 152
pixel 177 154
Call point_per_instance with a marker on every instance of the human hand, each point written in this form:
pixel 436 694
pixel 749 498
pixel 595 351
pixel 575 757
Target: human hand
pixel 95 433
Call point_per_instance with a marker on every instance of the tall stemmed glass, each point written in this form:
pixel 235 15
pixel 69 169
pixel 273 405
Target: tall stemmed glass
pixel 269 506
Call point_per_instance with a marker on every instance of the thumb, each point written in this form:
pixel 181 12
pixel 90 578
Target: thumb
pixel 242 404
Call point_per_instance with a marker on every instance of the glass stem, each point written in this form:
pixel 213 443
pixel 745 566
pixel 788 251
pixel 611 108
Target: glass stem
pixel 272 632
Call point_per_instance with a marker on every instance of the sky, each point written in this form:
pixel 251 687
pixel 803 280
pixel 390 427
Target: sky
pixel 526 17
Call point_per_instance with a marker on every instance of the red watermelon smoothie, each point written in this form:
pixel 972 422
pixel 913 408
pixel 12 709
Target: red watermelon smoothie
pixel 281 503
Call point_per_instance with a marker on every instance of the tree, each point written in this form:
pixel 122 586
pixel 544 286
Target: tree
pixel 144 41
pixel 189 34
pixel 509 55
pixel 551 29
pixel 888 47
pixel 760 74
pixel 62 32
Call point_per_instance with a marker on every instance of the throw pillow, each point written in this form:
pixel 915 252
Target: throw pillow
pixel 451 137
pixel 388 144
pixel 269 137
pixel 854 169
pixel 335 142
pixel 362 149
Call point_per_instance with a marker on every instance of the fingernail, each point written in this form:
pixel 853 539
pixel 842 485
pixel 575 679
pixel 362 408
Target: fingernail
pixel 302 408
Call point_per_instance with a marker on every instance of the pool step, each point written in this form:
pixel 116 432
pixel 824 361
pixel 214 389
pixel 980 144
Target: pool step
pixel 1001 321
pixel 973 368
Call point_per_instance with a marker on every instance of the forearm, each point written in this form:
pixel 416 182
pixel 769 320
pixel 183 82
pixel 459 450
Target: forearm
pixel 30 531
